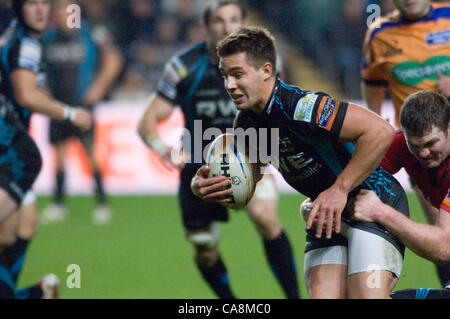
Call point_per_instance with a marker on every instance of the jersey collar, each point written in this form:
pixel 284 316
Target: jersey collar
pixel 269 104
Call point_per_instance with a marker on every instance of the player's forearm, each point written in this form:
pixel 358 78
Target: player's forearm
pixel 147 128
pixel 37 101
pixel 112 63
pixel 373 96
pixel 370 148
pixel 158 110
pixel 430 242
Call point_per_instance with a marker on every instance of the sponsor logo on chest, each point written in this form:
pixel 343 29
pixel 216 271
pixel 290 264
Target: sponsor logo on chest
pixel 441 37
pixel 413 72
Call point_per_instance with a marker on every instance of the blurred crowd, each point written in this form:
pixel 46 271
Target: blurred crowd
pixel 330 32
pixel 148 32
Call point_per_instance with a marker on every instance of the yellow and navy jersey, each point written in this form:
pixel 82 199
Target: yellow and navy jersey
pixel 301 140
pixel 20 48
pixel 407 55
pixel 193 81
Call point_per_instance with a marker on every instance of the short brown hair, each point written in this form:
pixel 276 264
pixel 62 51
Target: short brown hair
pixel 422 110
pixel 257 42
pixel 213 5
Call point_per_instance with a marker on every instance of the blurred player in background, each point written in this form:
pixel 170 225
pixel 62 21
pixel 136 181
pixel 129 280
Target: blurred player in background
pixel 20 160
pixel 193 81
pixel 423 149
pixel 328 150
pixel 81 65
pixel 408 51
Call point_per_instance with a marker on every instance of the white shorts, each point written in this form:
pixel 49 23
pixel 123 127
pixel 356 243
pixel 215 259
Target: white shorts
pixel 28 198
pixel 266 188
pixel 366 252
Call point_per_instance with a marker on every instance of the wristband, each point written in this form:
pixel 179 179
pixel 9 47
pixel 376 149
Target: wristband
pixel 69 113
pixel 157 145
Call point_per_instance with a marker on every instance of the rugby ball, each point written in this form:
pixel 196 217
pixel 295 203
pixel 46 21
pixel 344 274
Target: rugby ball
pixel 304 209
pixel 226 157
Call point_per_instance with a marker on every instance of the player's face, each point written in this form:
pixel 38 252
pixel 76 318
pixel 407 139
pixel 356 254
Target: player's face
pixel 223 21
pixel 412 8
pixel 432 148
pixel 243 82
pixel 35 13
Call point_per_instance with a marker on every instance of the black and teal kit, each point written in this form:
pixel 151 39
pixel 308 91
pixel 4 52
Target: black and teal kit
pixel 72 60
pixel 20 160
pixel 193 81
pixel 311 157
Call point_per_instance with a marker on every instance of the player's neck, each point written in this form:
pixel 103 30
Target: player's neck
pixel 212 51
pixel 269 86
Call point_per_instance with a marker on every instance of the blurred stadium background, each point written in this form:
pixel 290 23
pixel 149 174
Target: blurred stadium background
pixel 142 252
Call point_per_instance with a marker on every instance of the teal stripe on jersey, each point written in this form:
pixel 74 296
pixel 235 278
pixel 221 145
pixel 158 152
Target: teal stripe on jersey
pixel 202 64
pixel 422 293
pixel 87 68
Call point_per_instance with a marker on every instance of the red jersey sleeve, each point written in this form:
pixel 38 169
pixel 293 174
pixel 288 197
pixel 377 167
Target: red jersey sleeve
pixel 393 159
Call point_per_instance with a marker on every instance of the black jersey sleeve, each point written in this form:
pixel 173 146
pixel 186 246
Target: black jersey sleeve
pixel 25 53
pixel 174 72
pixel 317 113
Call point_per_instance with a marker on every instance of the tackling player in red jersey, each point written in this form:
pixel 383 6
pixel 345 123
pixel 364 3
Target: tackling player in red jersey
pixel 423 149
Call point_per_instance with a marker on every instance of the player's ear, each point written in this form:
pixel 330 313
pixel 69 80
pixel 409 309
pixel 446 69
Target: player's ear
pixel 267 69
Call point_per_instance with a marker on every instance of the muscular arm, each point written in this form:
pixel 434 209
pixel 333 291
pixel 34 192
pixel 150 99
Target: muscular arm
pixel 428 241
pixel 28 95
pixel 372 137
pixel 373 96
pixel 111 65
pixel 158 110
pixel 431 212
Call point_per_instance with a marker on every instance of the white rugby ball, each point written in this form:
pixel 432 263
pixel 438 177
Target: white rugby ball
pixel 304 209
pixel 227 158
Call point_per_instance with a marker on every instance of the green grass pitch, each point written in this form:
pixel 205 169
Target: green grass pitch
pixel 143 253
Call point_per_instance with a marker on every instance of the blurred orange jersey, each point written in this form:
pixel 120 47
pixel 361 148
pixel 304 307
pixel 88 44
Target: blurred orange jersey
pixel 408 55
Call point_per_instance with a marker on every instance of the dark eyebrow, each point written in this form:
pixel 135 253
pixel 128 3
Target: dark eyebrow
pixel 236 68
pixel 433 140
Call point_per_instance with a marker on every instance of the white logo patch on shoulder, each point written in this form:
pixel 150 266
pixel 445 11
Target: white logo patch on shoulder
pixel 304 108
pixel 30 54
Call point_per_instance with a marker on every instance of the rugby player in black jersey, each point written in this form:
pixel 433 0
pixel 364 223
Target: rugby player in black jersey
pixel 192 80
pixel 328 151
pixel 20 161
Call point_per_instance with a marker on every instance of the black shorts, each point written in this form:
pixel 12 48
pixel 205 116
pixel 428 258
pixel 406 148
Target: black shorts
pixel 20 164
pixel 197 213
pixel 61 131
pixel 394 195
